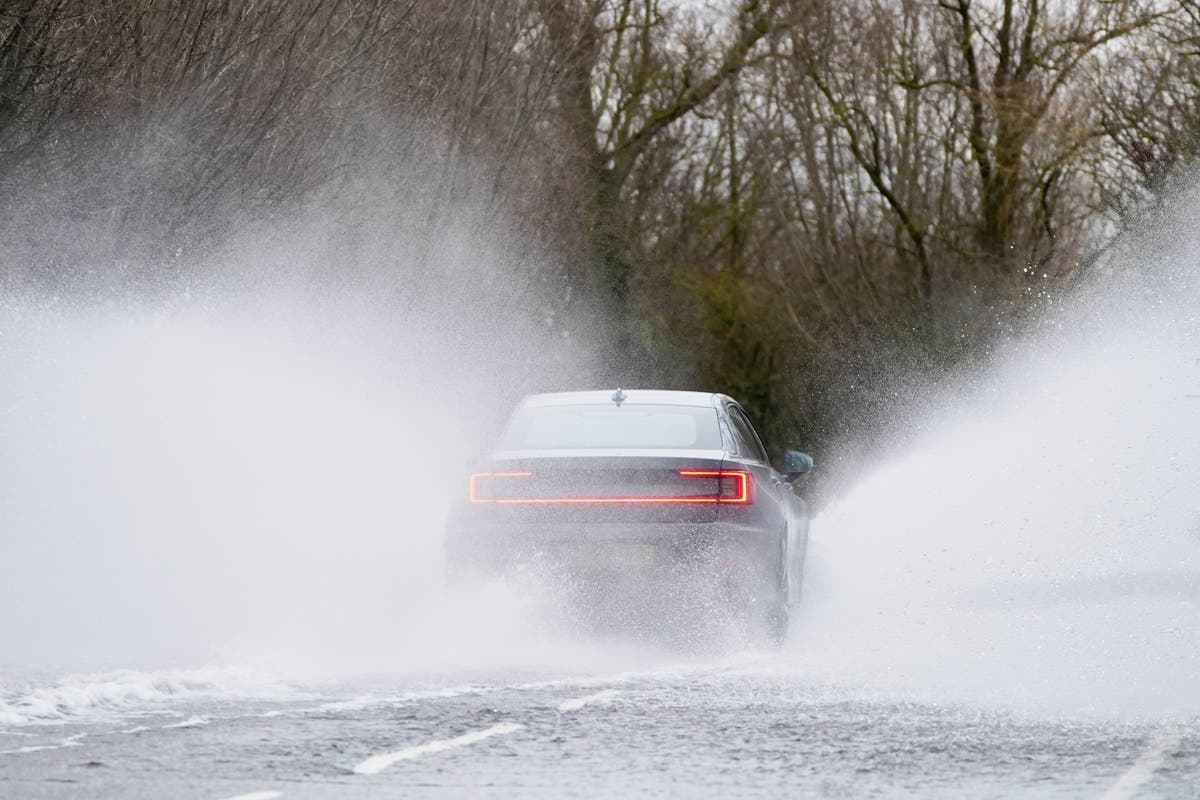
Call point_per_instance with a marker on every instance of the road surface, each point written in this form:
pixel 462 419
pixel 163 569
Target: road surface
pixel 741 725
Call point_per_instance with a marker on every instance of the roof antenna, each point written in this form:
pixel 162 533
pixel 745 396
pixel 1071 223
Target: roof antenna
pixel 618 397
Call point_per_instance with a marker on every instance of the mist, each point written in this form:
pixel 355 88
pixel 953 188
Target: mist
pixel 1032 541
pixel 253 466
pixel 255 454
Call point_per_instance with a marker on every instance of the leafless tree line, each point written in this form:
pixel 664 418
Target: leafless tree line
pixel 793 200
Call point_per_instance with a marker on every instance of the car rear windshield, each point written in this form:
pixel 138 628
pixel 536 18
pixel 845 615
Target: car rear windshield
pixel 610 426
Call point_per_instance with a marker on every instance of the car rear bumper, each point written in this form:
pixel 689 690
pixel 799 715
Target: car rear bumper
pixel 628 550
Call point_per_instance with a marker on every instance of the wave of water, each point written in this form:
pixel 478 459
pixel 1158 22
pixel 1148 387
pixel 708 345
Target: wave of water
pixel 1037 544
pixel 107 696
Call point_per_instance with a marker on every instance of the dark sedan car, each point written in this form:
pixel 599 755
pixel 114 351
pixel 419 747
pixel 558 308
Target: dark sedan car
pixel 633 489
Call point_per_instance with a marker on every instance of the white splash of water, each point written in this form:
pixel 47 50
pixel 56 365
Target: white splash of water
pixel 1038 546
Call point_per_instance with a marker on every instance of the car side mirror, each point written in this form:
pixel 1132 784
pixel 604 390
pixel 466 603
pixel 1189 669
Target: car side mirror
pixel 796 463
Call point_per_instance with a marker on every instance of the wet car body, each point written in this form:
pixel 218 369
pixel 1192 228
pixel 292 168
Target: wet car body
pixel 650 493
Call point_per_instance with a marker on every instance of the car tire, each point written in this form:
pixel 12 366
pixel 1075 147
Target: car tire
pixel 776 617
pixel 776 604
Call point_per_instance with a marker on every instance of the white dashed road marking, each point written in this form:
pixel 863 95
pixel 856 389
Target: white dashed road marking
pixel 577 703
pixel 268 795
pixel 1144 768
pixel 378 763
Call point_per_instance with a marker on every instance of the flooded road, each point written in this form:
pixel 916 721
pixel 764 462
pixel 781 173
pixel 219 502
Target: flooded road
pixel 739 726
pixel 1002 602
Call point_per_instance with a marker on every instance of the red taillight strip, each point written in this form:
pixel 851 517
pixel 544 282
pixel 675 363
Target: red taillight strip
pixel 472 489
pixel 741 479
pixel 741 494
pixel 603 500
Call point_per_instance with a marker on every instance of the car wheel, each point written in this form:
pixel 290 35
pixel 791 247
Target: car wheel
pixel 777 603
pixel 776 617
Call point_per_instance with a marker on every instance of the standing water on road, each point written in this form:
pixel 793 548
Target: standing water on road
pixel 227 506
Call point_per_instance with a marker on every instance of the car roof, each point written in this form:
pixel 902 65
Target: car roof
pixel 633 397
